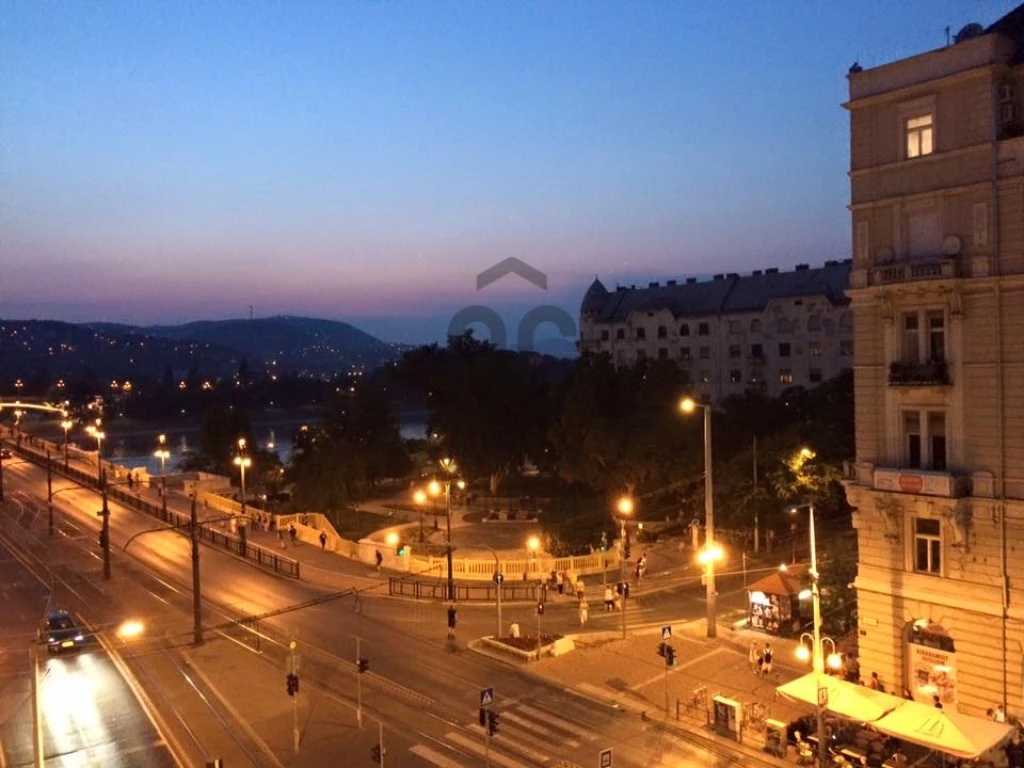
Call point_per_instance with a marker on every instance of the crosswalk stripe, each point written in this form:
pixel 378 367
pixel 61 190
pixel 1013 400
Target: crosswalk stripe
pixel 522 722
pixel 560 724
pixel 434 757
pixel 473 745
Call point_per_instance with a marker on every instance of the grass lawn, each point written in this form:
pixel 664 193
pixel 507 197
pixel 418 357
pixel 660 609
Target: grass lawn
pixel 358 525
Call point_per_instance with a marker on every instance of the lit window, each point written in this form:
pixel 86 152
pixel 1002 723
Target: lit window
pixel 785 376
pixel 927 546
pixel 814 348
pixel 919 136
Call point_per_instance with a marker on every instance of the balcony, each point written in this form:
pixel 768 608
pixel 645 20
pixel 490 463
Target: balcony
pixel 920 481
pixel 913 271
pixel 934 373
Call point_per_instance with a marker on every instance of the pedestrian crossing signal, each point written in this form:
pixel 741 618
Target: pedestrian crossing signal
pixel 492 722
pixel 483 717
pixel 670 655
pixel 293 683
pixel 540 609
pixel 662 649
pixel 375 753
pixel 362 665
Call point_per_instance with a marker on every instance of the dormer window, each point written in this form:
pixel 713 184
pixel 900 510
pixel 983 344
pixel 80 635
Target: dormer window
pixel 919 136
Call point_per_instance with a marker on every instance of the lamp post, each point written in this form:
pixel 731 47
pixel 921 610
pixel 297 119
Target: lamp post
pixel 99 435
pixel 67 424
pixel 419 498
pixel 625 508
pixel 533 545
pixel 689 405
pixel 499 577
pixel 449 466
pixel 162 453
pixel 243 462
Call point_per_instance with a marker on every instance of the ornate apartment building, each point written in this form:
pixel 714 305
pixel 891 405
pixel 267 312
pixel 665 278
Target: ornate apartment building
pixel 767 331
pixel 937 292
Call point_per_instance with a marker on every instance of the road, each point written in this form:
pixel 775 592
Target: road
pixel 425 691
pixel 91 715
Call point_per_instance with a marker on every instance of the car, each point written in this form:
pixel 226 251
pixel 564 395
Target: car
pixel 62 633
pixel 5 453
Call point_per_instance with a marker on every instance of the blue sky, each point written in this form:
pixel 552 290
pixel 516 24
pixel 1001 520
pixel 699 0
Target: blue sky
pixel 364 160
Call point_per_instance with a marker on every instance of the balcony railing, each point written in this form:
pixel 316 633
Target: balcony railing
pixel 934 373
pixel 911 271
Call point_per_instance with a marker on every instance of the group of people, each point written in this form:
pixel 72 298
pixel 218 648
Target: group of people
pixel 761 659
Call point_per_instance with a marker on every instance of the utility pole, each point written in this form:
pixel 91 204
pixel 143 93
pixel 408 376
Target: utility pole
pixel 359 683
pixel 293 669
pixel 38 748
pixel 380 735
pixel 1 470
pixel 105 530
pixel 197 596
pixel 709 522
pixel 49 491
pixel 757 535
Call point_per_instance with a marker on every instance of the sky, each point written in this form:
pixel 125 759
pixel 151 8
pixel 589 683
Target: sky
pixel 364 160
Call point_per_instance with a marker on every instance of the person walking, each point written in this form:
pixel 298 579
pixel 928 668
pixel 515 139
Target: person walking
pixel 452 619
pixel 560 583
pixel 609 599
pixel 766 656
pixel 292 533
pixel 584 612
pixel 754 657
pixel 379 558
pixel 323 540
pixel 579 590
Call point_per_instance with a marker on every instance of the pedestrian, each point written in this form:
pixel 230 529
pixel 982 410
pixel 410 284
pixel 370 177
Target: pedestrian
pixel 584 612
pixel 937 701
pixel 452 619
pixel 754 657
pixel 875 683
pixel 999 714
pixel 609 599
pixel 560 583
pixel 292 533
pixel 323 540
pixel 641 566
pixel 379 558
pixel 579 590
pixel 766 666
pixel 1014 749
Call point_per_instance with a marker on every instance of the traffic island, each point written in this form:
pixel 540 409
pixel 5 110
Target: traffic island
pixel 525 648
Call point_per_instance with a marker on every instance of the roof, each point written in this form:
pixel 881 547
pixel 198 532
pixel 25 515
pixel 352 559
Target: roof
pixel 727 294
pixel 779 582
pixel 1012 26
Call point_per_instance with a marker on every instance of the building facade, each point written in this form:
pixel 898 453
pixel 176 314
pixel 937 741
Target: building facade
pixel 937 292
pixel 767 331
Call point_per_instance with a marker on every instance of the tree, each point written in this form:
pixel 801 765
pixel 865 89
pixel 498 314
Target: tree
pixel 221 428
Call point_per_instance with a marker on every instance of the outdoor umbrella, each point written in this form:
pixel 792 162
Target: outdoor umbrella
pixel 942 730
pixel 854 702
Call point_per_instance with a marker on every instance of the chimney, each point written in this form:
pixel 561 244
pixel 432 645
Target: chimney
pixel 652 285
pixel 719 277
pixel 757 273
pixel 832 263
pixel 802 267
pixel 772 271
pixel 670 282
pixel 691 280
pixel 733 274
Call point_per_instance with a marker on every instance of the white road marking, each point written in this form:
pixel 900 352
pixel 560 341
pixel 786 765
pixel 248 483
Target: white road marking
pixel 529 725
pixel 564 725
pixel 435 758
pixel 476 746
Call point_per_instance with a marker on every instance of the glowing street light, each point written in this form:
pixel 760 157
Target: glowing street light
pixel 67 424
pixel 129 629
pixel 243 462
pixel 533 544
pixel 450 468
pixel 419 498
pixel 625 509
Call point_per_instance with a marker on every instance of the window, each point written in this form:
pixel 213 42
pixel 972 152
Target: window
pixel 936 336
pixel 924 337
pixel 919 136
pixel 814 323
pixel 844 321
pixel 814 348
pixel 703 329
pixel 705 353
pixel 684 354
pixel 604 335
pixel 734 326
pixel 846 347
pixel 755 325
pixel 620 334
pixel 785 349
pixel 641 334
pixel 757 350
pixel 641 354
pixel 735 351
pixel 912 439
pixel 814 375
pixel 911 338
pixel 736 376
pixel 662 353
pixel 684 330
pixel 927 546
pixel 937 440
pixel 785 376
pixel 705 377
pixel 662 332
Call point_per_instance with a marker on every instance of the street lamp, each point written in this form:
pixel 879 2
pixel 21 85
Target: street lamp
pixel 625 508
pixel 66 424
pixel 816 639
pixel 689 405
pixel 449 467
pixel 130 629
pixel 95 432
pixel 419 498
pixel 243 462
pixel 162 453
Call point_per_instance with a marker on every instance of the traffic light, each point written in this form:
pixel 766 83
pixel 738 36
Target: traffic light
pixel 625 589
pixel 661 649
pixel 362 665
pixel 375 753
pixel 483 716
pixel 293 683
pixel 492 722
pixel 670 655
pixel 626 548
pixel 103 539
pixel 400 550
pixel 540 609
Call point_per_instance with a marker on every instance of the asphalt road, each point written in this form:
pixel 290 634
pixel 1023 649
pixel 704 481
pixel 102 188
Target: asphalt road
pixel 90 714
pixel 424 690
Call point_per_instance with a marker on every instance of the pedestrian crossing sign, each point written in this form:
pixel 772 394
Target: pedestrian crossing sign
pixel 486 697
pixel 606 759
pixel 666 633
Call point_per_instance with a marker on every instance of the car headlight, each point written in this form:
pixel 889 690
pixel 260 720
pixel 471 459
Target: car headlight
pixel 51 639
pixel 79 638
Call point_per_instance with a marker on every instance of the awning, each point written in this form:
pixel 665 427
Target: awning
pixel 942 730
pixel 849 700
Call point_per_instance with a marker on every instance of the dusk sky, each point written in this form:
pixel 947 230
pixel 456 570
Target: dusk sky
pixel 173 161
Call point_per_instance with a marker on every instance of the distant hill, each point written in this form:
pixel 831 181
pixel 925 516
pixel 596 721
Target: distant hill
pixel 29 348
